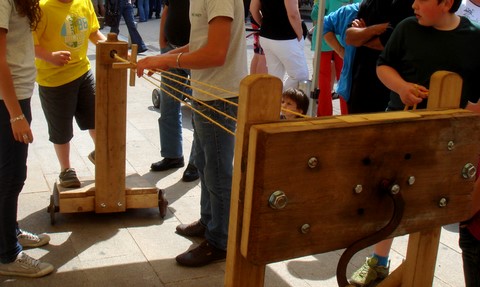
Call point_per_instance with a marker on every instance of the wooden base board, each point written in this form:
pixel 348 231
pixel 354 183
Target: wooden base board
pixel 138 194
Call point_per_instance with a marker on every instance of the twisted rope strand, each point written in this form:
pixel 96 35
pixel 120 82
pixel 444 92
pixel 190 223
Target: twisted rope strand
pixel 192 108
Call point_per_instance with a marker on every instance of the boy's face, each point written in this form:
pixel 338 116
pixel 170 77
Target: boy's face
pixel 289 104
pixel 430 12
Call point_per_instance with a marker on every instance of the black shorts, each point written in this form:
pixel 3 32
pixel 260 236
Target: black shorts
pixel 60 104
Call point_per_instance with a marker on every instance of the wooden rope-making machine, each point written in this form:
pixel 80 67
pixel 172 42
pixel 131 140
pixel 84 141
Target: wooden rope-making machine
pixel 111 190
pixel 314 185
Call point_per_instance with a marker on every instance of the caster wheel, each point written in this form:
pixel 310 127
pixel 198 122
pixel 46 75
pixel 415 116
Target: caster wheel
pixel 162 203
pixel 51 209
pixel 156 98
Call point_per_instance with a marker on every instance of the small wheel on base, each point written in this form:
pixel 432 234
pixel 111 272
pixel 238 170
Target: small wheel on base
pixel 156 98
pixel 162 203
pixel 51 209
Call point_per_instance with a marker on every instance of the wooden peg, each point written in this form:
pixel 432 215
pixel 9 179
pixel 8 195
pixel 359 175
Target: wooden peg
pixel 133 69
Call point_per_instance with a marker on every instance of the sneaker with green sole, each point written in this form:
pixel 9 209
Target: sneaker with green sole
pixel 369 272
pixel 68 178
pixel 32 240
pixel 26 266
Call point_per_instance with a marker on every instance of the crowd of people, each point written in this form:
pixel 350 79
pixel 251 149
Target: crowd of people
pixel 382 54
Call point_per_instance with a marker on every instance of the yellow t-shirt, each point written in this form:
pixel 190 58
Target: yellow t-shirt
pixel 64 27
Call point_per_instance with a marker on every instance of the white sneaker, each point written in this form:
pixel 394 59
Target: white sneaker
pixel 26 266
pixel 28 239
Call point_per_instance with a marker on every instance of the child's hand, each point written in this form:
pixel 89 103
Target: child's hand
pixel 60 58
pixel 412 94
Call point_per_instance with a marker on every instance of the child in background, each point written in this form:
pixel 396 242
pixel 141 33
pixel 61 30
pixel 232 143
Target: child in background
pixel 66 83
pixel 435 39
pixel 294 100
pixel 17 70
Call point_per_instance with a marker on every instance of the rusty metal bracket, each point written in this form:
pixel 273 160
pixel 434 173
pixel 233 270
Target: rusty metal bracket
pixel 393 190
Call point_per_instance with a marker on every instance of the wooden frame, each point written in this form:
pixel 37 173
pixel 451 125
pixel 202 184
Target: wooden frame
pixel 363 151
pixel 111 190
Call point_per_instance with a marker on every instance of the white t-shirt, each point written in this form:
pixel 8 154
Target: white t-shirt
pixel 470 11
pixel 229 75
pixel 20 51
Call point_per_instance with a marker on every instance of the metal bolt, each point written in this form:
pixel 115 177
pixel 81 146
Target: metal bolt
pixel 443 202
pixel 358 188
pixel 119 203
pixel 305 228
pixel 395 189
pixel 411 180
pixel 312 162
pixel 103 205
pixel 469 171
pixel 450 145
pixel 278 200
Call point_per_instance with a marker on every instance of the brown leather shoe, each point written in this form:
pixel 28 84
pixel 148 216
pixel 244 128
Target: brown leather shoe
pixel 193 229
pixel 202 255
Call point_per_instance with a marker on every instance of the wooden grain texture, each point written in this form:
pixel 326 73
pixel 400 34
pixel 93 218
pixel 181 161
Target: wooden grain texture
pixel 351 154
pixel 110 126
pixel 259 101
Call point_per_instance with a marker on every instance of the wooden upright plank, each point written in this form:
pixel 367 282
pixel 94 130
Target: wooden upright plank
pixel 344 155
pixel 260 97
pixel 445 90
pixel 110 126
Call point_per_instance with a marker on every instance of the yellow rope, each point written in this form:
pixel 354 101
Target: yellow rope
pixel 212 95
pixel 193 109
pixel 159 71
pixel 196 89
pixel 198 82
pixel 117 57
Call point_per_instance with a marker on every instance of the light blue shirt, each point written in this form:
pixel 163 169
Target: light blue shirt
pixel 338 22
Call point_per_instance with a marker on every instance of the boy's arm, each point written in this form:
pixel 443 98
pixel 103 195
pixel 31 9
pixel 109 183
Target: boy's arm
pixel 375 44
pixel 96 37
pixel 360 34
pixel 58 58
pixel 333 42
pixel 410 93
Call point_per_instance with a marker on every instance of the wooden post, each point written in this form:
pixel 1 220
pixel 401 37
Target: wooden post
pixel 110 126
pixel 260 98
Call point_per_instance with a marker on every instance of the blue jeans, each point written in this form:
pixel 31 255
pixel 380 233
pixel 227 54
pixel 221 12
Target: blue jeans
pixel 471 257
pixel 170 120
pixel 126 10
pixel 214 160
pixel 143 7
pixel 13 172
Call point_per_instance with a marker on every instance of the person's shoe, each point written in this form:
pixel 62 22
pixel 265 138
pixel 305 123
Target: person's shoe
pixel 140 51
pixel 68 178
pixel 167 163
pixel 202 255
pixel 28 239
pixel 26 266
pixel 190 173
pixel 194 229
pixel 369 272
pixel 91 156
